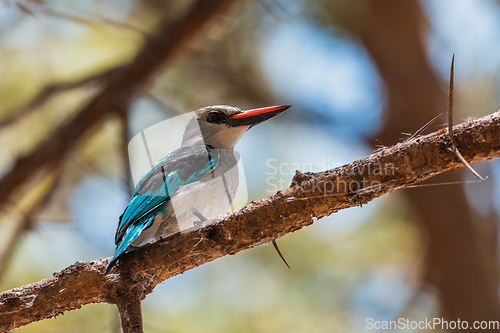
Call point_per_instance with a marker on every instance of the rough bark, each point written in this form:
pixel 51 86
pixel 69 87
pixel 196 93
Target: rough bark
pixel 129 306
pixel 311 195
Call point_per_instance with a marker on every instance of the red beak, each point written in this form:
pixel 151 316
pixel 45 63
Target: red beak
pixel 255 116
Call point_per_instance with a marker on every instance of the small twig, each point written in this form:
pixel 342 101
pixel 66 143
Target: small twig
pixel 47 93
pixel 421 129
pixel 91 20
pixel 168 109
pixel 450 123
pixel 24 9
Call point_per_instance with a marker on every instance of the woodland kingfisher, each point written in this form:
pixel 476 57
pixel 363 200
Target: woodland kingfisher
pixel 194 183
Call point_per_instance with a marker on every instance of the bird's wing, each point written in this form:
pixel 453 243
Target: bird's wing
pixel 181 167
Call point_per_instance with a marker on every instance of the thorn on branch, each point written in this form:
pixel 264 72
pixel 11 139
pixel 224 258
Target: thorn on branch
pixel 279 253
pixel 450 124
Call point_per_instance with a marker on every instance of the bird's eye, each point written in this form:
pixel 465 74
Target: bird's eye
pixel 216 117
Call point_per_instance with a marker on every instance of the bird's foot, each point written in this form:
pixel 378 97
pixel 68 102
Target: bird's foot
pixel 201 220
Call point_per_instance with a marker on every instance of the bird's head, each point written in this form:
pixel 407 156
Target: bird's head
pixel 222 126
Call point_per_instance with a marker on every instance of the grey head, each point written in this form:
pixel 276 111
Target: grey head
pixel 222 126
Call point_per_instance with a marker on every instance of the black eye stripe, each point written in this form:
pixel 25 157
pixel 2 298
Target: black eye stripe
pixel 216 117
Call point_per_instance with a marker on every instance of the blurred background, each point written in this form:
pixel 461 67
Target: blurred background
pixel 360 74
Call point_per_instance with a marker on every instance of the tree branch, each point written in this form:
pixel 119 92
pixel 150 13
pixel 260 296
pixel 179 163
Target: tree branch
pixel 122 85
pixel 129 306
pixel 310 195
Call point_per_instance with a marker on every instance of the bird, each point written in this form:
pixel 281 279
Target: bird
pixel 192 184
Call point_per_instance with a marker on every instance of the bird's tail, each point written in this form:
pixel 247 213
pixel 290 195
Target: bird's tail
pixel 110 265
pixel 131 234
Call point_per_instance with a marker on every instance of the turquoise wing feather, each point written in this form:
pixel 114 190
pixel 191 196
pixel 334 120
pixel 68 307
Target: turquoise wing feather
pixel 181 167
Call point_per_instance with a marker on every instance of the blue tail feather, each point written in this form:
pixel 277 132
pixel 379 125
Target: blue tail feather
pixel 131 234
